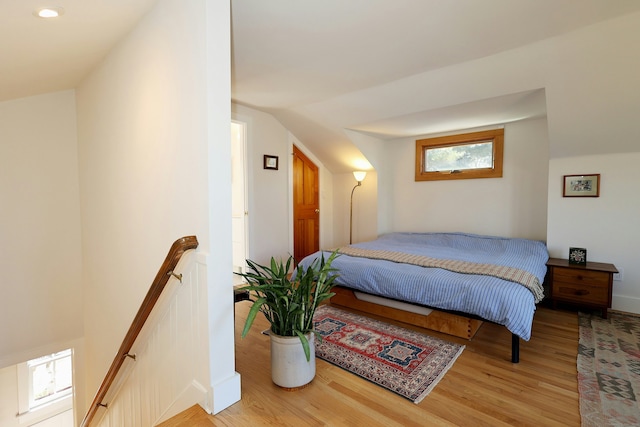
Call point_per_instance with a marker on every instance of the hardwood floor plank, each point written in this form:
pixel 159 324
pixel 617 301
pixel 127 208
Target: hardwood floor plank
pixel 483 388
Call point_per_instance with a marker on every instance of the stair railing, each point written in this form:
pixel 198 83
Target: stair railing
pixel 178 248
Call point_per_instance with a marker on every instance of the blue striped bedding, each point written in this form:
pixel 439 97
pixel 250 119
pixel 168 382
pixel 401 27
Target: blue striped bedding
pixel 497 300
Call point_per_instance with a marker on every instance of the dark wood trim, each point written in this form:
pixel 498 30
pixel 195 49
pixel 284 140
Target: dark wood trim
pixel 456 323
pixel 496 136
pixel 178 248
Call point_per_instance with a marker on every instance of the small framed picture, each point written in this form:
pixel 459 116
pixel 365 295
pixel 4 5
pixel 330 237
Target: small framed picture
pixel 270 162
pixel 578 256
pixel 581 185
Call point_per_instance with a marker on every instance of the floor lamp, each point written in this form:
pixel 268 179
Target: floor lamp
pixel 359 176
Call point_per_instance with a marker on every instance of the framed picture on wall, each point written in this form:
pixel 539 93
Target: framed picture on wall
pixel 270 162
pixel 581 185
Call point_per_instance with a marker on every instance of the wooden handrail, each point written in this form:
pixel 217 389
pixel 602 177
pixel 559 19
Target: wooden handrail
pixel 175 253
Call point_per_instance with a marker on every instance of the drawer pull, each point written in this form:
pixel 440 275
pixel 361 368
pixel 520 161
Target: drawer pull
pixel 582 292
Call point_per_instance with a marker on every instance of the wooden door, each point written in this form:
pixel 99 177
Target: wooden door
pixel 306 207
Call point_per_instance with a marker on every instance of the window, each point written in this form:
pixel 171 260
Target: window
pixel 49 378
pixel 465 156
pixel 45 386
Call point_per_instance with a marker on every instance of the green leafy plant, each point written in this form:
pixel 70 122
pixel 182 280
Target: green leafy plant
pixel 289 301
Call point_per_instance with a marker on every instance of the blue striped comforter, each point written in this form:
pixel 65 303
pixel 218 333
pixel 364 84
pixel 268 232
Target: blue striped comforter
pixel 497 300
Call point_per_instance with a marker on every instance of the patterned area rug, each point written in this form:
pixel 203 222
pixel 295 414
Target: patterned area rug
pixel 609 370
pixel 406 362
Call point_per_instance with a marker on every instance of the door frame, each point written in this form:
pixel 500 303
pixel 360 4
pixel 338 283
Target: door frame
pixel 245 166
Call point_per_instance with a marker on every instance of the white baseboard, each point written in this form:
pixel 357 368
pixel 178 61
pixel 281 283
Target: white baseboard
pixel 224 394
pixel 626 304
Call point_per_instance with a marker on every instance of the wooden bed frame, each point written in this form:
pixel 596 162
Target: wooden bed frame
pixel 456 324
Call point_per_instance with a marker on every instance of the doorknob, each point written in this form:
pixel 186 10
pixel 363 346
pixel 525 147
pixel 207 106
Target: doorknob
pixel 317 210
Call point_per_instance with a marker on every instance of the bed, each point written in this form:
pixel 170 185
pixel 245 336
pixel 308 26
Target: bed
pixel 450 282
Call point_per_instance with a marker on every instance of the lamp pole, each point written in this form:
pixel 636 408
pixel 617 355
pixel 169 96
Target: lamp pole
pixel 359 176
pixel 351 212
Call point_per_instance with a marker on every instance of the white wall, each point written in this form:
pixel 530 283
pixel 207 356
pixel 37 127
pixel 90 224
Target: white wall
pixel 270 191
pixel 513 206
pixel 41 261
pixel 365 208
pixel 154 155
pixel 9 396
pixel 607 225
pixel 593 93
pixel 267 189
pixel 64 419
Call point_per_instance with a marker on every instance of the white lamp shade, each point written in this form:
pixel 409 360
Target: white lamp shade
pixel 359 175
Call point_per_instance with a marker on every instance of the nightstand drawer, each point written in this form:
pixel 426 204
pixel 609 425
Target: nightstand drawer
pixel 578 277
pixel 580 293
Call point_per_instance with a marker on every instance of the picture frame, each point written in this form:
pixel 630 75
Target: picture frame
pixel 578 256
pixel 581 185
pixel 270 162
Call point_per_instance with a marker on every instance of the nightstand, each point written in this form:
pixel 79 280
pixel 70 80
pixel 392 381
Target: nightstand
pixel 583 285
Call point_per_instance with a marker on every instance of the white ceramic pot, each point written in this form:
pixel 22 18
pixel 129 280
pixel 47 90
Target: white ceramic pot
pixel 289 365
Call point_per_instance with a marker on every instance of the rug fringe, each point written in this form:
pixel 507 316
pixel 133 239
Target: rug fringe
pixel 439 377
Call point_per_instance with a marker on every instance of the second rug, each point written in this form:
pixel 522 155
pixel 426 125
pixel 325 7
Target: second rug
pixel 406 362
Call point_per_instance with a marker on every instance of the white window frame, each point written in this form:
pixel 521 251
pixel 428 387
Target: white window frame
pixel 31 412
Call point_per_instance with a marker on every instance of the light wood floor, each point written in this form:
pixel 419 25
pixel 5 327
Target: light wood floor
pixel 482 388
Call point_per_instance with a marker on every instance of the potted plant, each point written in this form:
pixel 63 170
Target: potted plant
pixel 289 301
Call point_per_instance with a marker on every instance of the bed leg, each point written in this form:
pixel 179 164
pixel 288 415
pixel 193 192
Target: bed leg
pixel 515 348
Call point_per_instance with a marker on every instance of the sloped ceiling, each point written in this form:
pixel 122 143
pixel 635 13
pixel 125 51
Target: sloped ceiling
pixel 320 67
pixel 39 56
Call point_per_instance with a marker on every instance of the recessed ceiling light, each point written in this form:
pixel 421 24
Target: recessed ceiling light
pixel 49 12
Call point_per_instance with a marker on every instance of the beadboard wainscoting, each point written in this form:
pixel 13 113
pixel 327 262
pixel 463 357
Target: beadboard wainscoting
pixel 170 371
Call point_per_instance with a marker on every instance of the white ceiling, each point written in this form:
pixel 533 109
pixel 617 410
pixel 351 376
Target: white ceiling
pixel 295 58
pixel 288 53
pixel 39 56
pixel 325 68
pixel 496 110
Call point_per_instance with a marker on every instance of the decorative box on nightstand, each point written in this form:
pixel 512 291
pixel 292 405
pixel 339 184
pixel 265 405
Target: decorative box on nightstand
pixel 587 285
